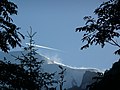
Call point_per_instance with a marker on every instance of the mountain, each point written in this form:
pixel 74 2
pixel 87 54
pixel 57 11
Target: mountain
pixel 87 79
pixel 74 77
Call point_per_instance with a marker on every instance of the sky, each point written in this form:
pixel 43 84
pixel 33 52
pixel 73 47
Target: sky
pixel 55 22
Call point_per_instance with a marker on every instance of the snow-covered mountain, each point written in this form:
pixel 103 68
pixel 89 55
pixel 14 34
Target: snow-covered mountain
pixel 74 77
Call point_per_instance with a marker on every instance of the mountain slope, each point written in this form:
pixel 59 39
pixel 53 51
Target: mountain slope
pixel 87 79
pixel 72 76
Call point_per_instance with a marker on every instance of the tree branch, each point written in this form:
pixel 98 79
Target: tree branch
pixel 115 43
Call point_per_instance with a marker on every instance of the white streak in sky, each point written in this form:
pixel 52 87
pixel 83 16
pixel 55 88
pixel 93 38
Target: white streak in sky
pixel 49 48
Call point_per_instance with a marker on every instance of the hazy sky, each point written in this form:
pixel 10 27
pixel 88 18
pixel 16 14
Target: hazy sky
pixel 55 22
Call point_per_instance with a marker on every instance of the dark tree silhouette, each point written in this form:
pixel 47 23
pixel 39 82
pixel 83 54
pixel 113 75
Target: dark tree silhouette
pixel 106 28
pixel 13 77
pixel 109 80
pixel 28 73
pixel 9 35
pixel 61 74
pixel 32 66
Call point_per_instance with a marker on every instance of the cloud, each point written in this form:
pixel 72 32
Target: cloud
pixel 55 59
pixel 44 47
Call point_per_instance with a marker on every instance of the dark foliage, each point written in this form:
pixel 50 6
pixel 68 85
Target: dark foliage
pixel 106 28
pixel 9 35
pixel 61 74
pixel 75 88
pixel 28 74
pixel 33 66
pixel 109 81
pixel 12 76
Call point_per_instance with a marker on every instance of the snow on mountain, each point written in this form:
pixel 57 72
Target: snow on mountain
pixel 10 56
pixel 72 76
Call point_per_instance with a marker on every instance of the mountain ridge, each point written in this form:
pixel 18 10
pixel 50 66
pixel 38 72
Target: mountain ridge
pixel 72 76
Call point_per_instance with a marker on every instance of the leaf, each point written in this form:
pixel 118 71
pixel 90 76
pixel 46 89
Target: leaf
pixel 60 67
pixel 117 52
pixel 85 46
pixel 22 35
pixel 78 29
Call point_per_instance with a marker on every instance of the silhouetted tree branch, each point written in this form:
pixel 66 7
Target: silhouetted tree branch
pixel 104 29
pixel 9 35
